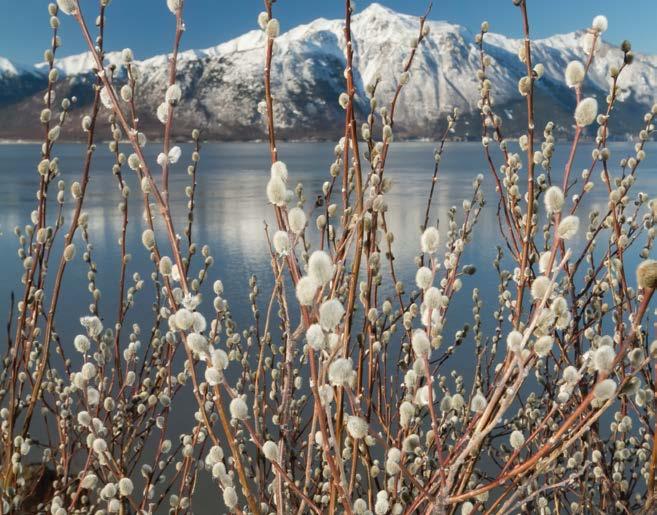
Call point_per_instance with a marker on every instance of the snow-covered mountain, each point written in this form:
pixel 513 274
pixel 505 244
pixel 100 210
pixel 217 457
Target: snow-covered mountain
pixel 223 85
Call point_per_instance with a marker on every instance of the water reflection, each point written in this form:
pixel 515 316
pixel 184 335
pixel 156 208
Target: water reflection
pixel 232 211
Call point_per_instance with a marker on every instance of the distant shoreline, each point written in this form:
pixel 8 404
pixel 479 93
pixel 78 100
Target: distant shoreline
pixel 20 141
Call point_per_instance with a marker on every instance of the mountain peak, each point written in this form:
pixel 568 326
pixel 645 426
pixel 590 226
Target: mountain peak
pixel 377 8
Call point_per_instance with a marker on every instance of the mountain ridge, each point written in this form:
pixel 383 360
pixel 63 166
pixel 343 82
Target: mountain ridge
pixel 223 87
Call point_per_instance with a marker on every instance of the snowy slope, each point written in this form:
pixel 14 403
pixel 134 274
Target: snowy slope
pixel 223 84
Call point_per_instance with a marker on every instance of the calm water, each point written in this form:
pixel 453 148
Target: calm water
pixel 232 210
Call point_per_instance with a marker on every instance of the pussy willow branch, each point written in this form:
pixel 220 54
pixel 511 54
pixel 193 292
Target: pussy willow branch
pixel 529 223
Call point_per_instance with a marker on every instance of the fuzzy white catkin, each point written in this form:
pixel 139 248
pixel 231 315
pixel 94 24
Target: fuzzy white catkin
pixel 514 341
pixel 198 344
pixel 406 413
pixel 199 324
pixel 357 427
pixel 173 5
pixel 575 73
pixel 148 239
pixel 230 497
pixel 219 359
pixel 341 372
pixel 467 508
pixel 343 100
pixel 174 154
pixel 213 376
pixel 600 23
pixel 165 265
pixel 478 403
pixel 382 504
pixel 421 343
pixel 315 337
pixel 263 18
pixel 281 241
pixel 173 94
pixel 422 395
pixel 276 191
pixel 330 314
pixel 553 199
pixel 184 319
pixel 297 220
pixel 360 506
pixel 69 252
pixel 125 486
pixel 540 287
pixel 568 227
pixel 105 98
pixel 603 358
pixel 126 93
pixel 517 439
pixel 432 298
pixel 543 346
pixel 67 6
pixel 424 277
pixel 279 169
pixel 270 450
pixel 81 343
pixel 238 409
pixel 306 288
pixel 134 162
pixel 89 481
pixel 570 375
pixel 605 389
pixel 273 28
pixel 93 325
pixel 586 112
pixel 99 446
pixel 325 394
pixel 162 112
pixel 320 267
pixel 430 240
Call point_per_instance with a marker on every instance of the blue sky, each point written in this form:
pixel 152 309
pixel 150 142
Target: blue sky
pixel 146 25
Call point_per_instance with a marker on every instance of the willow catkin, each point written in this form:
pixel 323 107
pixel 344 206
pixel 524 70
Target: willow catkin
pixel 586 112
pixel 297 220
pixel 357 427
pixel 646 274
pixel 574 73
pixel 174 5
pixel 273 28
pixel 568 227
pixel 430 240
pixel 305 290
pixel 276 191
pixel 553 199
pixel 69 252
pixel 330 314
pixel 420 343
pixel 315 337
pixel 67 6
pixel 270 450
pixel 600 23
pixel 148 239
pixel 238 409
pixel 605 390
pixel 424 278
pixel 341 372
pixel 320 267
pixel 281 242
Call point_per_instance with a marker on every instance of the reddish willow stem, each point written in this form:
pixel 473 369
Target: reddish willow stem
pixel 529 222
pixel 293 268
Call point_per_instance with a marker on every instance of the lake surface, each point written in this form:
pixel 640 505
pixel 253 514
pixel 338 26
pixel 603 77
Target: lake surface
pixel 231 210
